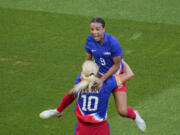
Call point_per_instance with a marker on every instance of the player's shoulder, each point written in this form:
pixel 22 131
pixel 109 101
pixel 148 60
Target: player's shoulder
pixel 78 79
pixel 109 84
pixel 110 81
pixel 113 41
pixel 110 37
pixel 89 41
pixel 89 38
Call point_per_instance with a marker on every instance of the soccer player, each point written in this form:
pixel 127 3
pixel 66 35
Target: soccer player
pixel 92 101
pixel 107 53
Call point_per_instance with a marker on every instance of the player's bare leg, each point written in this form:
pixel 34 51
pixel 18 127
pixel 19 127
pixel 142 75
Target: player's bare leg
pixel 120 98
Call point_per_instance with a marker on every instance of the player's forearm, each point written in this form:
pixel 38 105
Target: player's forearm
pixel 111 71
pixel 125 77
pixel 127 74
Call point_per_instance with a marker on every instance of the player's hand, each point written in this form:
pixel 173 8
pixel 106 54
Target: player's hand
pixel 50 113
pixel 100 85
pixel 103 79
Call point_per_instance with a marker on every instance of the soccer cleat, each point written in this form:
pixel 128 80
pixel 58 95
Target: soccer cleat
pixel 140 122
pixel 50 113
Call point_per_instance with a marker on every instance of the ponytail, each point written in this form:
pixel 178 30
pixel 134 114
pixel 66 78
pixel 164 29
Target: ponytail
pixel 89 79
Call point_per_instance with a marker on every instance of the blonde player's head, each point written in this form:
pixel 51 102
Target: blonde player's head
pixel 89 80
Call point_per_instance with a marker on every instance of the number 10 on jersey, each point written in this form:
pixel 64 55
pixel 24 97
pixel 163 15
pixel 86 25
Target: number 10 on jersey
pixel 88 103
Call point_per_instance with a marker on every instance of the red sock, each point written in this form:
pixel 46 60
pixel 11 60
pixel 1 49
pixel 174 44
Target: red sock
pixel 130 113
pixel 67 100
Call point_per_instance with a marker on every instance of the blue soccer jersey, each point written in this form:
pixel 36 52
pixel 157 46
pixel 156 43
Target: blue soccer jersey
pixel 92 107
pixel 104 53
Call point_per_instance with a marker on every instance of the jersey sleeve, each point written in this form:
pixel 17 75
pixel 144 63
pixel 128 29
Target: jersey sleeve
pixel 116 49
pixel 78 79
pixel 87 45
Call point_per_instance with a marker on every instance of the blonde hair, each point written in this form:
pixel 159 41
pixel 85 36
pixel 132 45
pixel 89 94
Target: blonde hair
pixel 89 79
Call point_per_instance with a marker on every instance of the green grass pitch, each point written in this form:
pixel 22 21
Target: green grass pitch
pixel 42 49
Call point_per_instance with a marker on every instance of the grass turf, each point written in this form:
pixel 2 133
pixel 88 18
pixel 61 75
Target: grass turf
pixel 161 11
pixel 41 54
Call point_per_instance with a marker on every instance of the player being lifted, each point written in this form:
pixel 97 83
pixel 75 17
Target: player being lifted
pixel 107 53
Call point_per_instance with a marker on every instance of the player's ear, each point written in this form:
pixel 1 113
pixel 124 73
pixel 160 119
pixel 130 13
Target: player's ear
pixel 104 29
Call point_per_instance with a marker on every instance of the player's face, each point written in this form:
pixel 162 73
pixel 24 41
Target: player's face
pixel 97 31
